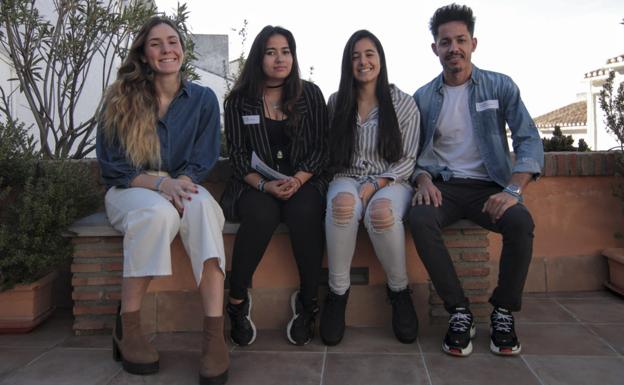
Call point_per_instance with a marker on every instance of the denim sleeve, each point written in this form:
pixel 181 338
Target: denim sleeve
pixel 115 168
pixel 527 144
pixel 206 143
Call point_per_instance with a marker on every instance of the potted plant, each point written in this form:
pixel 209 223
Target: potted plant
pixel 612 103
pixel 39 199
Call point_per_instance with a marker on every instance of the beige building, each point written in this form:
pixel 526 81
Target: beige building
pixel 584 119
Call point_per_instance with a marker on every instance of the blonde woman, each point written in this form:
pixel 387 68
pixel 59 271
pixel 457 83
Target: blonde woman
pixel 158 137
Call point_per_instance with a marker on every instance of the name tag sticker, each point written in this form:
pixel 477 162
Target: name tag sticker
pixel 487 105
pixel 251 119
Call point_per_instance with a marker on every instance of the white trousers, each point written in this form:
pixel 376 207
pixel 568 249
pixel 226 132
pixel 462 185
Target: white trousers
pixel 389 243
pixel 150 222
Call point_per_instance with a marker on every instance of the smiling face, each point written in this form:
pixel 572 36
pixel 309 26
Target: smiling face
pixel 454 47
pixel 365 61
pixel 277 62
pixel 163 50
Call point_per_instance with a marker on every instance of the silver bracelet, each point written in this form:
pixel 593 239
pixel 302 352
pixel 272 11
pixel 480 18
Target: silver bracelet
pixel 159 182
pixel 260 184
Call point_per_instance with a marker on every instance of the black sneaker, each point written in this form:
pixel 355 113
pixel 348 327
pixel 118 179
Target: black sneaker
pixel 503 335
pixel 300 329
pixel 243 330
pixel 404 319
pixel 461 330
pixel 333 318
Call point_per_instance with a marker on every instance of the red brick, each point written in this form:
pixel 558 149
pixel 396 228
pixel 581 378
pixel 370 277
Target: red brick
pixel 98 252
pixel 96 295
pixel 587 164
pixel 82 310
pixel 550 165
pixel 476 284
pixel 475 256
pixel 113 266
pixel 467 242
pixel 609 164
pixel 562 165
pixel 475 232
pixel 86 267
pixel 451 232
pixel 478 299
pixel 87 324
pixel 472 271
pixel 96 281
pixel 573 167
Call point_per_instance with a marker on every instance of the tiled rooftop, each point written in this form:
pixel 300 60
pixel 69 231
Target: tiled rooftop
pixel 574 114
pixel 567 338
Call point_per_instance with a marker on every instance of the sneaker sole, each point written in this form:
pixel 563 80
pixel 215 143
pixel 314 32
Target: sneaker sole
pixel 293 307
pixel 511 351
pixel 253 327
pixel 459 352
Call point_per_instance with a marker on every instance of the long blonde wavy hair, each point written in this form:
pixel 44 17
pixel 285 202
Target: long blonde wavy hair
pixel 131 105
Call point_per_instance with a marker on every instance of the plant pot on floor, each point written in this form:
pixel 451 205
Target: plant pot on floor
pixel 26 306
pixel 615 258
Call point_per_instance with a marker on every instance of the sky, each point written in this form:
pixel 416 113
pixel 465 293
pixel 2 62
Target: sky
pixel 546 46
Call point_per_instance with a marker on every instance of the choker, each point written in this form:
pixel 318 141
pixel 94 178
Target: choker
pixel 277 86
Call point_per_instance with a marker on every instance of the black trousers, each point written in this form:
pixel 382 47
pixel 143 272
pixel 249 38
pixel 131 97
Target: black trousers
pixel 260 214
pixel 464 198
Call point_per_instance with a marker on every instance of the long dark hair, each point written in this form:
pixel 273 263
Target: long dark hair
pixel 250 83
pixel 343 124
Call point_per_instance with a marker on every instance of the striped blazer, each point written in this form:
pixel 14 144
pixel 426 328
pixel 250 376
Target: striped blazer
pixel 308 149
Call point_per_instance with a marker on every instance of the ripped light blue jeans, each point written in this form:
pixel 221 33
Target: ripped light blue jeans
pixel 383 219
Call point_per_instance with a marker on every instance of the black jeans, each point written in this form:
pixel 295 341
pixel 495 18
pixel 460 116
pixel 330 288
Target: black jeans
pixel 464 198
pixel 260 214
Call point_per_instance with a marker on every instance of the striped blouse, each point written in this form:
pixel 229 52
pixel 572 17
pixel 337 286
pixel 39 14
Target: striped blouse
pixel 367 162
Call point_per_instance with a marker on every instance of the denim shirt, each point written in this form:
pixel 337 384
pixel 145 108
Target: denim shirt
pixel 189 136
pixel 494 99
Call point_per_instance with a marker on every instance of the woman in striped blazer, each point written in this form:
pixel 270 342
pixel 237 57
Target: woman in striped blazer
pixel 283 120
pixel 373 143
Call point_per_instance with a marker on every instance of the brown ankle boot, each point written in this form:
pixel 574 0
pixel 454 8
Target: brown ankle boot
pixel 215 358
pixel 131 347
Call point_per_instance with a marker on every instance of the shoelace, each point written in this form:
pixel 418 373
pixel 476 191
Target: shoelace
pixel 460 322
pixel 502 322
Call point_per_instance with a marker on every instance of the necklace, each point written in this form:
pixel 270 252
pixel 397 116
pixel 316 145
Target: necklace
pixel 272 107
pixel 276 86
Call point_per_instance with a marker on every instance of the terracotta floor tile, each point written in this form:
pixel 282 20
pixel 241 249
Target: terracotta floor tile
pixel 557 370
pixel 612 334
pixel 374 369
pixel 563 339
pixel 67 367
pixel 542 310
pixel 179 368
pixel 605 310
pixel 272 368
pixel 13 358
pixel 276 341
pixel 478 369
pixel 372 340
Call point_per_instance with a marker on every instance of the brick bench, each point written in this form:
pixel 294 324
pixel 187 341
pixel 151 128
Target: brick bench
pixel 172 303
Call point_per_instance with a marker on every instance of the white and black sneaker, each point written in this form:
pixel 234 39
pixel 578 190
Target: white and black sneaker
pixel 457 341
pixel 300 329
pixel 243 330
pixel 503 339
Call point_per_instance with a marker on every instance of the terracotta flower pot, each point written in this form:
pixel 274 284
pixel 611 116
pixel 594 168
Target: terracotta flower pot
pixel 615 258
pixel 26 306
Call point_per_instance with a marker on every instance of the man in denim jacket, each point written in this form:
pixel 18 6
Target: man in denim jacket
pixel 464 170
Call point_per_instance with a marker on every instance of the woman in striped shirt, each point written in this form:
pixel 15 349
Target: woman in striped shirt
pixel 283 120
pixel 373 144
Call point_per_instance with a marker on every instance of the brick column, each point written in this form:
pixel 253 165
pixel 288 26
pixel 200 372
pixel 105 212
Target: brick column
pixel 97 270
pixel 468 246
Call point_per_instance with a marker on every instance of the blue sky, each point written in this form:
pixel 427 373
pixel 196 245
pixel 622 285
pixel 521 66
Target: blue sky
pixel 545 46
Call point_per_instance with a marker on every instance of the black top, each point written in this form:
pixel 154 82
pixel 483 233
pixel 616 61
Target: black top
pixel 279 141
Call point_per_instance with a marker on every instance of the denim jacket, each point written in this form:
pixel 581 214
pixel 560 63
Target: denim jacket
pixel 494 101
pixel 189 140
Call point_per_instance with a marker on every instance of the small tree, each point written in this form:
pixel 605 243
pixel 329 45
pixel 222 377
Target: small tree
pixel 53 55
pixel 612 104
pixel 560 142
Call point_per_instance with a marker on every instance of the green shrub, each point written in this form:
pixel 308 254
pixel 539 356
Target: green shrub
pixel 40 199
pixel 560 142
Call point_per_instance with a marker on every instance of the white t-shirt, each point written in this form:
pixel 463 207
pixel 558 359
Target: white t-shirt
pixel 454 142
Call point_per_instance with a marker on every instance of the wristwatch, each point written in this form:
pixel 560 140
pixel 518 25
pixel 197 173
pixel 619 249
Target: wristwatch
pixel 515 190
